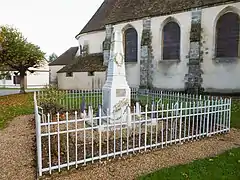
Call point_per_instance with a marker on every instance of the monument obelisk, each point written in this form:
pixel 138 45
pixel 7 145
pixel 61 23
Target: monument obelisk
pixel 116 92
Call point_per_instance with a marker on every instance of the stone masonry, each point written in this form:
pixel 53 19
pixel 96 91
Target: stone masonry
pixel 146 60
pixel 193 78
pixel 107 46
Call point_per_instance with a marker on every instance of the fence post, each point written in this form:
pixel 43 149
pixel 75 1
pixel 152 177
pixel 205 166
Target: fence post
pixel 100 133
pixel 129 117
pixel 180 124
pixel 229 121
pixel 38 136
pixel 208 117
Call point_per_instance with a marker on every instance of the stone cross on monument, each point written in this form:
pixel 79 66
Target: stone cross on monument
pixel 116 92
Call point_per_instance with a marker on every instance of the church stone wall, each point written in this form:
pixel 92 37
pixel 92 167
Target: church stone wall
pixel 169 74
pixel 222 76
pixel 94 40
pixel 133 68
pixel 173 75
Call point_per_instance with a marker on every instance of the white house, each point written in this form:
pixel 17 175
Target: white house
pixel 38 79
pixel 169 44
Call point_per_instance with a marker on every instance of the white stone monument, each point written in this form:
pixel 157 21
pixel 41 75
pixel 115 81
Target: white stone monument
pixel 116 92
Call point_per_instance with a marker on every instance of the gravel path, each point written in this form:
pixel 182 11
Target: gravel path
pixel 17 156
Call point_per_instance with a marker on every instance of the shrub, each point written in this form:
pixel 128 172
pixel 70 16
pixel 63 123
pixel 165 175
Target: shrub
pixel 50 100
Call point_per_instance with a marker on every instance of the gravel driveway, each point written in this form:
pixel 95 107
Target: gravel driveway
pixel 17 156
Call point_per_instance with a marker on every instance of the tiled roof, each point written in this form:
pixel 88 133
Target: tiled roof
pixel 88 63
pixel 115 11
pixel 66 57
pixel 99 19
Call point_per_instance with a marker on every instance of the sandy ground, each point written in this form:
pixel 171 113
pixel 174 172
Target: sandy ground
pixel 17 156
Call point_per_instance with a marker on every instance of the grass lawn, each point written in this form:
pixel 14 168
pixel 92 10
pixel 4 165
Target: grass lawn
pixel 235 116
pixel 15 105
pixel 224 166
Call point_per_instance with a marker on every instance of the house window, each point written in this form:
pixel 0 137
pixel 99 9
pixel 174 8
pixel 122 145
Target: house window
pixel 8 76
pixel 69 74
pixel 171 41
pixel 227 35
pixel 16 80
pixel 91 73
pixel 131 45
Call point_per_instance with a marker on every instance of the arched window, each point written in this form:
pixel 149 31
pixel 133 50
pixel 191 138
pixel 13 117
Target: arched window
pixel 171 41
pixel 131 45
pixel 227 35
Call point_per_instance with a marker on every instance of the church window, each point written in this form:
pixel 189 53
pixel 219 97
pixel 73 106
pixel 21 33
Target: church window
pixel 227 35
pixel 131 45
pixel 171 41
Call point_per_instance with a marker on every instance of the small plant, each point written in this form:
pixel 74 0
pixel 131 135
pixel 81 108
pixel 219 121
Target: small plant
pixel 50 102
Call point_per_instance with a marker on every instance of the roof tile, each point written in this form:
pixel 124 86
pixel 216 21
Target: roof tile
pixel 115 11
pixel 66 57
pixel 88 63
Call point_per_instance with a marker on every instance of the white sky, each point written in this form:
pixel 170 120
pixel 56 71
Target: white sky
pixel 50 24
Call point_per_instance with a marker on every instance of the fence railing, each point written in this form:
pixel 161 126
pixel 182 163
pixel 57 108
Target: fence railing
pixel 171 97
pixel 71 100
pixel 73 139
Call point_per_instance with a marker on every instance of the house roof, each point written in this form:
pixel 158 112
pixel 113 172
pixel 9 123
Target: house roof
pixel 116 11
pixel 66 57
pixel 88 63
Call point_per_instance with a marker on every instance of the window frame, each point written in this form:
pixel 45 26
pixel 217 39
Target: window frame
pixel 177 59
pixel 91 73
pixel 135 59
pixel 223 58
pixel 16 79
pixel 8 77
pixel 69 74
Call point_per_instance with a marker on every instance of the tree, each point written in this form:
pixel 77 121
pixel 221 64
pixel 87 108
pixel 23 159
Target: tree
pixel 52 57
pixel 17 54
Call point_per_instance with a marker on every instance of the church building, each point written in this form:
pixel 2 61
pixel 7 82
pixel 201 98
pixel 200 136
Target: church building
pixel 168 44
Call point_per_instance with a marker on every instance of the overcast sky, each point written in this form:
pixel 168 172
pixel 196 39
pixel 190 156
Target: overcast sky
pixel 51 24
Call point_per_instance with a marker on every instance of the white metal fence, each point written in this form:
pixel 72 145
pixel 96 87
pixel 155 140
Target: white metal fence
pixel 71 139
pixel 71 100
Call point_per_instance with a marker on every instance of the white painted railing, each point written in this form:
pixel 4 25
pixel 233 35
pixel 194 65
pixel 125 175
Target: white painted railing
pixel 73 139
pixel 71 100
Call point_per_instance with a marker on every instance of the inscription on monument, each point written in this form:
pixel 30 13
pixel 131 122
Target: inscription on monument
pixel 121 92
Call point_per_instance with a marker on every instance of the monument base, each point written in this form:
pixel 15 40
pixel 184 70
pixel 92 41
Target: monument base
pixel 116 98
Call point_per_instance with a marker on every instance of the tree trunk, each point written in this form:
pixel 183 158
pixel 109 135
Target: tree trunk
pixel 22 82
